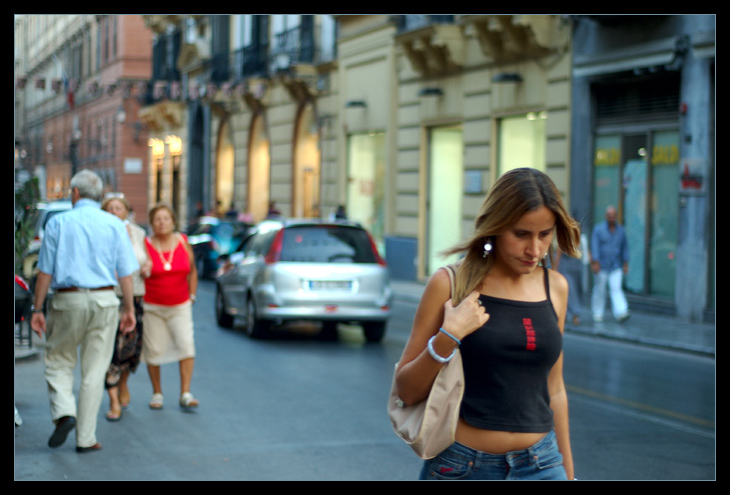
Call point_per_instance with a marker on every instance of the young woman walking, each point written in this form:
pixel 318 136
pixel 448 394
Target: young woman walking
pixel 506 315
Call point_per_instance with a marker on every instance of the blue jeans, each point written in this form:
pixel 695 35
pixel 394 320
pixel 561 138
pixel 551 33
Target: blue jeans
pixel 542 461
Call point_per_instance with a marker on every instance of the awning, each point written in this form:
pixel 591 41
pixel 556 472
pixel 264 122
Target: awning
pixel 659 53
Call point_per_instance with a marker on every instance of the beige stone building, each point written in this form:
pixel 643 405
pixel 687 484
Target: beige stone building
pixel 404 120
pixel 458 100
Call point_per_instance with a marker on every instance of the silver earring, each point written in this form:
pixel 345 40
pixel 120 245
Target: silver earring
pixel 487 249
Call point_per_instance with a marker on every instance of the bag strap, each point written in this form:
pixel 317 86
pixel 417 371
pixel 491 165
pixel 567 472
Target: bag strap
pixel 451 270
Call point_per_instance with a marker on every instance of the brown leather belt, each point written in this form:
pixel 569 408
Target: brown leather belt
pixel 76 289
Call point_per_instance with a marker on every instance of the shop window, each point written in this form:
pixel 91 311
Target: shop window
pixel 522 141
pixel 366 181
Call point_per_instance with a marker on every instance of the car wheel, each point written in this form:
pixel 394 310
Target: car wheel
pixel 200 267
pixel 329 331
pixel 255 328
pixel 224 319
pixel 374 330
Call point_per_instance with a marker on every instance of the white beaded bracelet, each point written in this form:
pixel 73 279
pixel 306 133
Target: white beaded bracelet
pixel 436 356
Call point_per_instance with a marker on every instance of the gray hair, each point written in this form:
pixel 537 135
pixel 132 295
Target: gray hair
pixel 88 184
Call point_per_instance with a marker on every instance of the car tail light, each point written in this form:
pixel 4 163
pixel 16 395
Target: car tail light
pixel 22 283
pixel 275 251
pixel 379 259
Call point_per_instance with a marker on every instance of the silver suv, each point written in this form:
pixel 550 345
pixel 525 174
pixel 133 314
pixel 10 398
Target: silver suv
pixel 305 270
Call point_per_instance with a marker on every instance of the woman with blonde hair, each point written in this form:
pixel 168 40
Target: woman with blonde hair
pixel 506 315
pixel 128 345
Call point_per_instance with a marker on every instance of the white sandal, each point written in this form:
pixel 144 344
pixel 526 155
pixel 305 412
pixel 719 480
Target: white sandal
pixel 156 401
pixel 187 400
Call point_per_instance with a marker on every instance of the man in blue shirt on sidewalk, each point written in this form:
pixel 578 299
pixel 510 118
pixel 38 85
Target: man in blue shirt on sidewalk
pixel 85 253
pixel 609 262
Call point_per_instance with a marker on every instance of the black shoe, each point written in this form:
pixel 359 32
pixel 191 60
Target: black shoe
pixel 93 448
pixel 63 427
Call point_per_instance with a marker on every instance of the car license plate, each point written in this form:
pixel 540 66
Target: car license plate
pixel 330 284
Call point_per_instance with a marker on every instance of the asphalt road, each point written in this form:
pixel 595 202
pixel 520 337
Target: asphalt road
pixel 297 408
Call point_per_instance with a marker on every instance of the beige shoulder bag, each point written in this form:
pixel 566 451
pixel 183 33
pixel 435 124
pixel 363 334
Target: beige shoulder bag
pixel 429 427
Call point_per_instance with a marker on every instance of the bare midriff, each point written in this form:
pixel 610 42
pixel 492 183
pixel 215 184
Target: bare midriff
pixel 494 442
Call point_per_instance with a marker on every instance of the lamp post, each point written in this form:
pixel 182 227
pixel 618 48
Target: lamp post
pixel 73 151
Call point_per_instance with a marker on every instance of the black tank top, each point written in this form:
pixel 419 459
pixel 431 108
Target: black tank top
pixel 507 363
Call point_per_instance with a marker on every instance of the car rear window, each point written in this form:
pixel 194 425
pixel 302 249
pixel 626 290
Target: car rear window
pixel 327 244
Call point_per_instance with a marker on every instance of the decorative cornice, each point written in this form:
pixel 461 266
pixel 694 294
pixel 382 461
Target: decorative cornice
pixel 434 49
pixel 519 37
pixel 301 80
pixel 159 23
pixel 163 116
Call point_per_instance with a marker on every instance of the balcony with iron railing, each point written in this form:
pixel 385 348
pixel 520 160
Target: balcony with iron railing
pixel 286 51
pixel 292 47
pixel 219 66
pixel 250 61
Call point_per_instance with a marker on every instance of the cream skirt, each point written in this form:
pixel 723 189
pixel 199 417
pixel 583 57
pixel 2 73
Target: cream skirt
pixel 168 334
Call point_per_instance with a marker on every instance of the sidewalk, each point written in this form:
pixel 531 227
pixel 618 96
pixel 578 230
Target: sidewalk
pixel 641 328
pixel 25 349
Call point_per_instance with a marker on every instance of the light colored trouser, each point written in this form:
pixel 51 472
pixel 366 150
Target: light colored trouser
pixel 88 319
pixel 614 280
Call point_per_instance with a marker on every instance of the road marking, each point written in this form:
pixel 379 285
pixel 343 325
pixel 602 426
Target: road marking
pixel 641 407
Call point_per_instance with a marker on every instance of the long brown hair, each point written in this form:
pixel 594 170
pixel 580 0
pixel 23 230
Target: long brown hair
pixel 515 193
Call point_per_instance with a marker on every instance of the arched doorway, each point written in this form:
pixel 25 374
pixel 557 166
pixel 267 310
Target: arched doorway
pixel 224 171
pixel 306 167
pixel 259 167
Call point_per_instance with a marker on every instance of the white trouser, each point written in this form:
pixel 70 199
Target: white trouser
pixel 88 319
pixel 614 280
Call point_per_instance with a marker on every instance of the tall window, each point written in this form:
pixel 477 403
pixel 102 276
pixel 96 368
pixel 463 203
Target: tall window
pixel 445 191
pixel 281 23
pixel 105 40
pixel 522 141
pixel 250 44
pixel 366 181
pixel 328 38
pixel 242 25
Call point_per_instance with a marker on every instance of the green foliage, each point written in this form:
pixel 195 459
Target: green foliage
pixel 26 199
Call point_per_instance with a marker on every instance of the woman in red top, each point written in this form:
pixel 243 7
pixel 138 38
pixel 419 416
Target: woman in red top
pixel 169 294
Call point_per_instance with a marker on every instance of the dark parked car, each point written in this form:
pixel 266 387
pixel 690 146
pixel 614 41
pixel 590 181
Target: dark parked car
pixel 212 237
pixel 306 270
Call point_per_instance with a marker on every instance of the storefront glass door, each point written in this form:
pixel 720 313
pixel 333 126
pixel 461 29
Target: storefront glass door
pixel 638 173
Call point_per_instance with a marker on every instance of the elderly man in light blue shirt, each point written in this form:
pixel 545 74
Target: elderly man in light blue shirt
pixel 85 253
pixel 609 261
